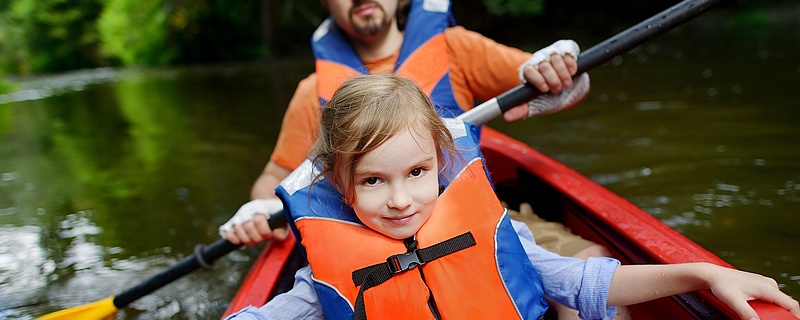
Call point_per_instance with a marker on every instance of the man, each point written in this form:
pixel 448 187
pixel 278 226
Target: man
pixel 417 39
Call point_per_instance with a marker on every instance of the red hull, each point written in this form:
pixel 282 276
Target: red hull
pixel 557 193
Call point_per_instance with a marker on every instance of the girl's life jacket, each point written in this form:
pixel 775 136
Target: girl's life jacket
pixel 466 261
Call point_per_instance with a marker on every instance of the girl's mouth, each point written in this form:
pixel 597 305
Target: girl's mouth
pixel 402 220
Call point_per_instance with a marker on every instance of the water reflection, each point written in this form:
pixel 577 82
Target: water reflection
pixel 699 128
pixel 41 88
pixel 20 248
pixel 35 272
pixel 106 184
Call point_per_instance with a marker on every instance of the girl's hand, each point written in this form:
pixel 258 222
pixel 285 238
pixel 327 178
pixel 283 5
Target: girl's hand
pixel 735 288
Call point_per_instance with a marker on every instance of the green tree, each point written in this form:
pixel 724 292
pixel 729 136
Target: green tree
pixel 39 36
pixel 515 8
pixel 5 87
pixel 166 32
pixel 48 35
pixel 136 32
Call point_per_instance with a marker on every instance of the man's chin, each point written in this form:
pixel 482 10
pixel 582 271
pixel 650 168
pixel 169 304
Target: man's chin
pixel 371 28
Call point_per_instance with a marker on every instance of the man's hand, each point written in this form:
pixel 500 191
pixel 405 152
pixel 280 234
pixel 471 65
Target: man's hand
pixel 553 75
pixel 551 70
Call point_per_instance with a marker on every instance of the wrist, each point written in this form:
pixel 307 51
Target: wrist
pixel 701 275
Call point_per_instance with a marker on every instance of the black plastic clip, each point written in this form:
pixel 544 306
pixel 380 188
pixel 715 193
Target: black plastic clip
pixel 404 261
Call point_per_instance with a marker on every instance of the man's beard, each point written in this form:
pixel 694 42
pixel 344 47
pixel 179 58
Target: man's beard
pixel 372 25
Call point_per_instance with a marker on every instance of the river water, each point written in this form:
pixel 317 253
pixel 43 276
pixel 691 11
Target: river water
pixel 109 176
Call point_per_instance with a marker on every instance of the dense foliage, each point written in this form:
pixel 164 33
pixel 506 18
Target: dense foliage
pixel 515 8
pixel 159 32
pixel 41 36
pixel 48 35
pixel 54 35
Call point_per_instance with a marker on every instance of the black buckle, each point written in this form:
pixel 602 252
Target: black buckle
pixel 404 261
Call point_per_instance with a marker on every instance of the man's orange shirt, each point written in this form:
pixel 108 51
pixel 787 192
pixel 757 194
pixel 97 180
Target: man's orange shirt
pixel 480 69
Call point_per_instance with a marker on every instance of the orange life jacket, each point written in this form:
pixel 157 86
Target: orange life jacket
pixel 487 275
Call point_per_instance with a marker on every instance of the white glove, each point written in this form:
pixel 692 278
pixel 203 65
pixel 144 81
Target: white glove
pixel 560 47
pixel 550 103
pixel 245 213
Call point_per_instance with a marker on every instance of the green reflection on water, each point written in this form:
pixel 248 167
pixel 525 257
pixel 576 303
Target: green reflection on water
pixel 122 179
pixel 700 130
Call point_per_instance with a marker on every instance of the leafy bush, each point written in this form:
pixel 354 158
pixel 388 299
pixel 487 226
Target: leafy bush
pixel 136 32
pixel 515 8
pixel 5 87
pixel 48 35
pixel 165 32
pixel 39 36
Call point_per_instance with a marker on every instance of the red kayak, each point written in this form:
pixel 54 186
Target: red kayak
pixel 557 193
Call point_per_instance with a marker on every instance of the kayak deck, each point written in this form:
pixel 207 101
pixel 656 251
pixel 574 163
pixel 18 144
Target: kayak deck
pixel 556 193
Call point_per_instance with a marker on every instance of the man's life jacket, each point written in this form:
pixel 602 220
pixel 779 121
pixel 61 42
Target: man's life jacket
pixel 422 57
pixel 465 262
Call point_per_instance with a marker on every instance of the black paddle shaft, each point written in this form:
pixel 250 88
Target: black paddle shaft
pixel 616 45
pixel 202 258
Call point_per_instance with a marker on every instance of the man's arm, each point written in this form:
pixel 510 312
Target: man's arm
pixel 488 69
pixel 270 178
pixel 256 229
pixel 298 131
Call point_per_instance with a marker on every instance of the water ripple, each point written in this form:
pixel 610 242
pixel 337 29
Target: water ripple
pixel 47 86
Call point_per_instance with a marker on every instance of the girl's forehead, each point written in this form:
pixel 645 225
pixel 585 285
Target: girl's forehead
pixel 404 148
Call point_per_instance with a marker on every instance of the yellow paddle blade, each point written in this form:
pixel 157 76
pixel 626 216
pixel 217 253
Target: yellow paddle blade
pixel 100 310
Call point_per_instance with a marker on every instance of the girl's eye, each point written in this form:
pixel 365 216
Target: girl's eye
pixel 371 181
pixel 416 172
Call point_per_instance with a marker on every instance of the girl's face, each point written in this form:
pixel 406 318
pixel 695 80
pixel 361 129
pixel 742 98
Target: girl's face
pixel 397 185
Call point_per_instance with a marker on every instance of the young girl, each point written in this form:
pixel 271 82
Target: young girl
pixel 383 240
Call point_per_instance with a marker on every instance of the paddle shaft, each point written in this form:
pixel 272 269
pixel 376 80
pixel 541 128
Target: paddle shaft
pixel 206 257
pixel 595 56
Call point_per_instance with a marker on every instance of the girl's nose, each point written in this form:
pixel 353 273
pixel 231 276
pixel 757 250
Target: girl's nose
pixel 400 198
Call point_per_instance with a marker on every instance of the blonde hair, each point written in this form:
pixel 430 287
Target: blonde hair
pixel 365 112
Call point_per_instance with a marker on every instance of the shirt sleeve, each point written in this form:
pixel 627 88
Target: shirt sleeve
pixel 299 127
pixel 301 302
pixel 579 284
pixel 481 68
